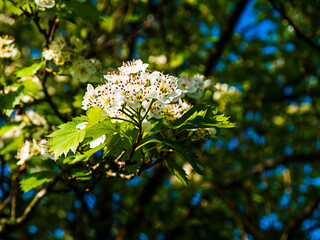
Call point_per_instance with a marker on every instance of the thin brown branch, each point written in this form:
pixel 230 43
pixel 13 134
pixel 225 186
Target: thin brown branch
pixel 238 214
pixel 271 164
pixel 54 26
pixel 7 226
pixel 226 34
pixel 295 223
pixel 49 100
pixel 279 7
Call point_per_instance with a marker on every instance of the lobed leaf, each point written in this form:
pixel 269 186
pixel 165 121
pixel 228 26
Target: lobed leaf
pixel 34 180
pixel 178 171
pixel 66 138
pixel 202 116
pixel 30 71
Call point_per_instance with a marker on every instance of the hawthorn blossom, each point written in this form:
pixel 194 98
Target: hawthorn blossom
pixel 133 67
pixel 32 148
pixel 45 3
pixel 7 47
pixel 98 141
pixel 176 110
pixel 57 52
pixel 192 86
pixel 82 125
pixel 135 87
pixel 86 70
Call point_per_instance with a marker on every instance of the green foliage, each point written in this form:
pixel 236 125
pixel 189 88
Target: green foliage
pixel 36 179
pixel 66 138
pixel 10 100
pixel 178 171
pixel 202 116
pixel 30 71
pixel 264 73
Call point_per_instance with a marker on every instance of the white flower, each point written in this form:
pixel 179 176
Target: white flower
pixel 176 110
pixel 146 125
pixel 34 148
pixel 48 54
pixel 163 87
pixel 89 98
pixel 57 52
pixel 135 87
pixel 160 60
pixel 7 48
pixel 24 153
pixel 133 67
pixel 45 3
pixel 82 125
pixel 98 141
pixel 86 70
pixel 192 86
pixel 207 84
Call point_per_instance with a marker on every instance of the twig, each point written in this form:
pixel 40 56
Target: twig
pixel 49 100
pixel 279 7
pixel 295 223
pixel 226 35
pixel 239 215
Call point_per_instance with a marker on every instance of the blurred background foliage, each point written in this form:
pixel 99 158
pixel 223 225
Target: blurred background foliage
pixel 261 179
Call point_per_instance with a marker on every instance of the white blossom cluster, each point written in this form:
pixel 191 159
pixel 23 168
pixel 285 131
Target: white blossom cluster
pixel 32 148
pixel 221 89
pixel 133 86
pixel 57 52
pixel 7 47
pixel 30 118
pixel 42 4
pixel 176 110
pixel 193 87
pixel 87 70
pixel 135 90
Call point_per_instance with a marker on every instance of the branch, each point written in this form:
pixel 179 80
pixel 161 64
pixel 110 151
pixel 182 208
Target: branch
pixel 11 225
pixel 226 35
pixel 49 100
pixel 279 7
pixel 295 223
pixel 275 162
pixel 53 27
pixel 272 163
pixel 239 215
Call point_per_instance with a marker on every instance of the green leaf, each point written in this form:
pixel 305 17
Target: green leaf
pixel 86 155
pixel 95 115
pixel 66 138
pixel 86 11
pixel 13 146
pixel 178 171
pixel 36 179
pixel 8 101
pixel 115 145
pixel 202 116
pixel 8 127
pixel 188 154
pixel 30 71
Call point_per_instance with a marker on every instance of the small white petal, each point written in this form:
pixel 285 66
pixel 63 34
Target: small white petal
pixel 98 141
pixel 146 125
pixel 82 125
